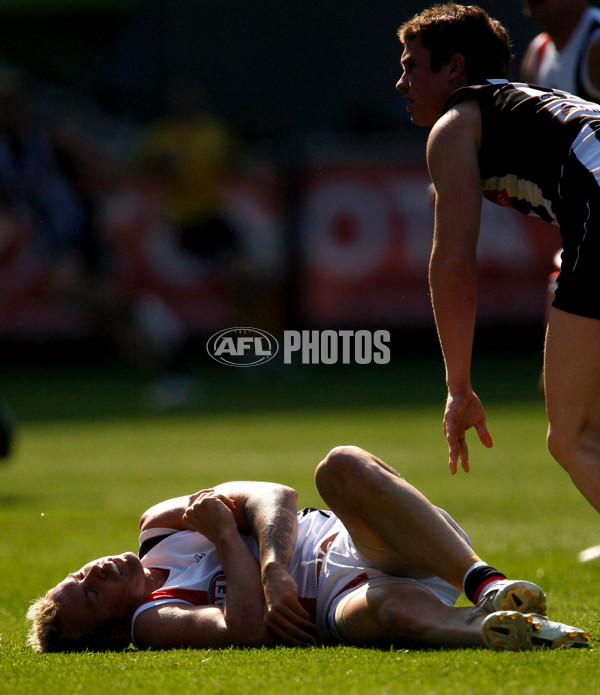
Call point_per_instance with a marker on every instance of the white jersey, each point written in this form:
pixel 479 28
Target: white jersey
pixel 325 564
pixel 568 69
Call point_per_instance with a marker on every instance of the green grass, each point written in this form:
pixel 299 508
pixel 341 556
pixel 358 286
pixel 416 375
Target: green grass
pixel 91 457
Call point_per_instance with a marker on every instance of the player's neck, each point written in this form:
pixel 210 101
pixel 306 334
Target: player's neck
pixel 562 30
pixel 155 578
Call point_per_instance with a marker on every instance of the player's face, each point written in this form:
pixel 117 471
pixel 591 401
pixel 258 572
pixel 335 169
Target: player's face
pixel 425 90
pixel 546 11
pixel 110 587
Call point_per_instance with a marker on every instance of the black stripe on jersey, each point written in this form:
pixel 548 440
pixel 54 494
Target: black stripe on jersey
pixel 149 543
pixel 310 510
pixel 528 138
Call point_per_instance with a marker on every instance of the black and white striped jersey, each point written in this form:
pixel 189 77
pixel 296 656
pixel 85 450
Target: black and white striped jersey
pixel 540 149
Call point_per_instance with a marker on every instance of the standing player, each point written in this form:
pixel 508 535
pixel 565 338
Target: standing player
pixel 532 149
pixel 566 55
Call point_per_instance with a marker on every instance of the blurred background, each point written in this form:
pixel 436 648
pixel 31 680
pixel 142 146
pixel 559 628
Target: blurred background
pixel 170 169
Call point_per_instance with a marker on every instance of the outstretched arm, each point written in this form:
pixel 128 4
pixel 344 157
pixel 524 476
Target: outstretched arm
pixel 452 155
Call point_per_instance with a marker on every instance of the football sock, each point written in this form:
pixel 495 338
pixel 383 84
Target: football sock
pixel 479 577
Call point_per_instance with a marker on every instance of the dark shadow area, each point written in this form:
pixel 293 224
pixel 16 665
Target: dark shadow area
pixel 79 382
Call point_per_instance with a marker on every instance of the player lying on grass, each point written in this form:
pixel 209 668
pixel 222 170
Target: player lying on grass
pixel 236 565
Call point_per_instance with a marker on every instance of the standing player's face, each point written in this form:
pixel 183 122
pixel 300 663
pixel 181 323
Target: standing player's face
pixel 425 90
pixel 110 587
pixel 546 11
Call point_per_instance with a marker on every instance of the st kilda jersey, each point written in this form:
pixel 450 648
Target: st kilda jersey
pixel 540 149
pixel 567 69
pixel 196 576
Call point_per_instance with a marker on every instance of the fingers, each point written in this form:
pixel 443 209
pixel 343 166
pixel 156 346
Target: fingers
pixel 484 436
pixel 464 456
pixel 457 447
pixel 291 626
pixel 458 451
pixel 209 494
pixel 462 413
pixel 227 501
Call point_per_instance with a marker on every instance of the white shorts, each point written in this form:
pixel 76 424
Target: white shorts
pixel 335 616
pixel 344 570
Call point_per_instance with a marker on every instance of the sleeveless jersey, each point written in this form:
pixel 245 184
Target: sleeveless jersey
pixel 540 149
pixel 325 564
pixel 197 578
pixel 568 69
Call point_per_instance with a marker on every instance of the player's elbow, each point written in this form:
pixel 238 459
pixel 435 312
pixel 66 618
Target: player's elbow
pixel 251 633
pixel 261 637
pixel 288 495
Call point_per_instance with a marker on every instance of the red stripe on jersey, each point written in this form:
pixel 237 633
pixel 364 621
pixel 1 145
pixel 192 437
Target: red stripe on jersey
pixel 541 50
pixel 361 579
pixel 196 598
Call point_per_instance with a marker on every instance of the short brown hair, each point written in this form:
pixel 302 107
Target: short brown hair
pixel 449 28
pixel 48 635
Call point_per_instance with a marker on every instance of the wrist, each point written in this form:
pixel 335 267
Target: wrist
pixel 227 536
pixel 459 386
pixel 272 569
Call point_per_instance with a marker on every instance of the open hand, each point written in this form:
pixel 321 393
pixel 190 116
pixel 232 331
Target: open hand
pixel 463 411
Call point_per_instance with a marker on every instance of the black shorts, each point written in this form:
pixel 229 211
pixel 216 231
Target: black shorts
pixel 578 283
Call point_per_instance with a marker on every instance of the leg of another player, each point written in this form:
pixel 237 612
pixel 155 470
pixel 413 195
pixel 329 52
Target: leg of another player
pixel 392 524
pixel 404 612
pixel 572 387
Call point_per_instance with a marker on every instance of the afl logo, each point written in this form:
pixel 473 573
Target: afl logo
pixel 216 589
pixel 242 347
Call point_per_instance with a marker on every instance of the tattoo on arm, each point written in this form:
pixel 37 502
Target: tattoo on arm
pixel 275 528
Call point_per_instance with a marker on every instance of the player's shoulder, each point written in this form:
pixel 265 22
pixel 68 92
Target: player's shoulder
pixel 534 55
pixel 539 42
pixel 462 115
pixel 455 138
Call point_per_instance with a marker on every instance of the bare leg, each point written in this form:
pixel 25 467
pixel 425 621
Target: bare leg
pixel 404 612
pixel 572 387
pixel 392 524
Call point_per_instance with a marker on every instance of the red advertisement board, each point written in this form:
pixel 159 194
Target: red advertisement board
pixel 365 233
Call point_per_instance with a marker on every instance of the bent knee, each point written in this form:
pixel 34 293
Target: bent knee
pixel 556 446
pixel 342 464
pixel 562 446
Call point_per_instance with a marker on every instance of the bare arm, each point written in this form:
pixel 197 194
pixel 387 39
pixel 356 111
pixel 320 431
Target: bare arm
pixel 268 512
pixel 240 621
pixel 452 154
pixel 275 525
pixel 245 495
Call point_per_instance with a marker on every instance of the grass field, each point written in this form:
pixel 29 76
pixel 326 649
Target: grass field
pixel 91 457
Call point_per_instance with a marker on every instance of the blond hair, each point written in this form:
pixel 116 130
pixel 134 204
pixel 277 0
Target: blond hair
pixel 47 634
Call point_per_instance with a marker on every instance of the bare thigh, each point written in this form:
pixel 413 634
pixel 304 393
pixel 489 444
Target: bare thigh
pixel 395 610
pixel 378 554
pixel 572 374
